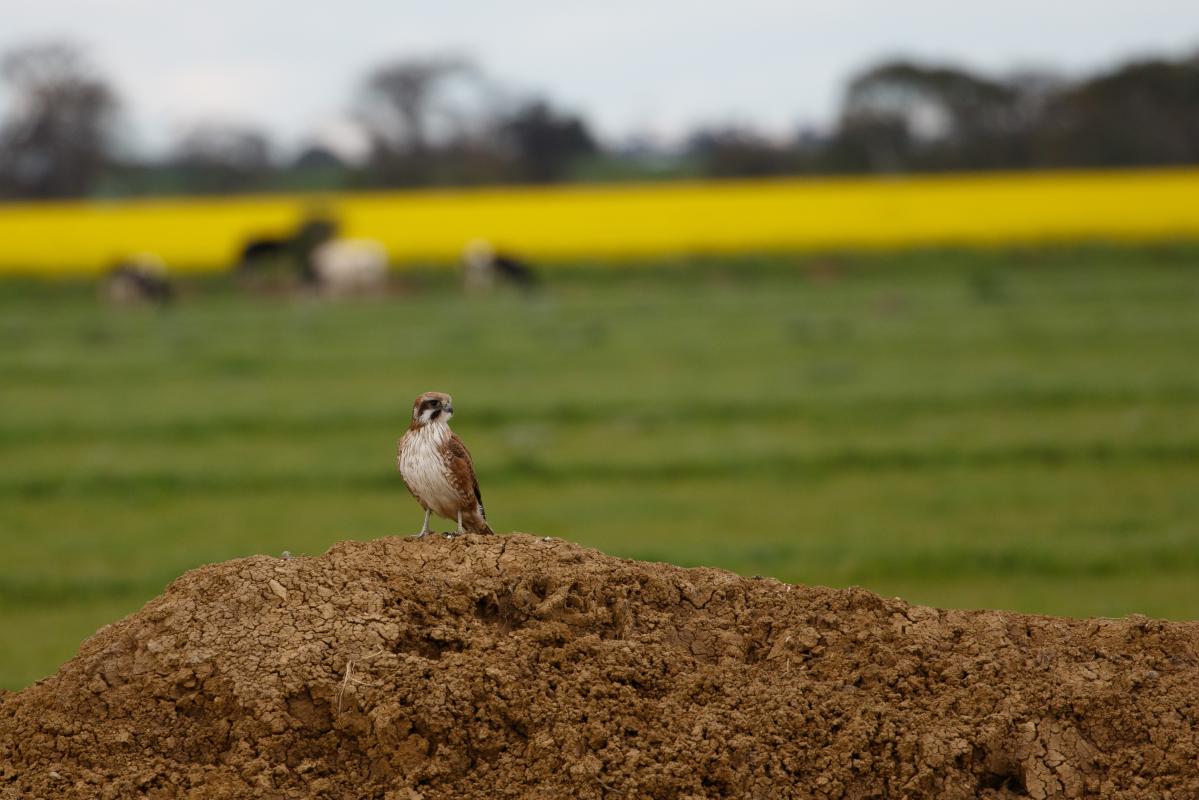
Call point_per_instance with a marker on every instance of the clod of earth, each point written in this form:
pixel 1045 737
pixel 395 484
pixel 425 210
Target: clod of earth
pixel 517 667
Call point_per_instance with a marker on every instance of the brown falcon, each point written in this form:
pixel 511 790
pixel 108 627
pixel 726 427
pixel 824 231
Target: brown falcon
pixel 436 466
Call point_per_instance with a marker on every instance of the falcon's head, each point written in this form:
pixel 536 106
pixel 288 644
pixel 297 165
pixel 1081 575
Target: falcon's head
pixel 432 407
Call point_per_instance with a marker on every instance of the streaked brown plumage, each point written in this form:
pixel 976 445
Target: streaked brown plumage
pixel 436 466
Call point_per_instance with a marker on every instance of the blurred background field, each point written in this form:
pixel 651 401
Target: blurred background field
pixel 1012 429
pixel 898 295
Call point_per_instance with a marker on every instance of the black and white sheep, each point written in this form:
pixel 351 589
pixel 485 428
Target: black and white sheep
pixel 139 279
pixel 483 267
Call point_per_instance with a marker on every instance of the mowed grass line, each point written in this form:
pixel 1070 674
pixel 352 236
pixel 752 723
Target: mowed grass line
pixel 1012 430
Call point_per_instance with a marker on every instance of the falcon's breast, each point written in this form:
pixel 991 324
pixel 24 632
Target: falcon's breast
pixel 425 471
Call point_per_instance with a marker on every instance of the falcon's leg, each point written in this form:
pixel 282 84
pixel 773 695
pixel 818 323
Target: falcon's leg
pixel 424 529
pixel 459 520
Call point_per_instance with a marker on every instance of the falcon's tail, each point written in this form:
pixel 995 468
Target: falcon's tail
pixel 476 523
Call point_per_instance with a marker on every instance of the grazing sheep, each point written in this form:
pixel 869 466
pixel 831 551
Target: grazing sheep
pixel 139 279
pixel 256 250
pixel 482 266
pixel 322 261
pixel 349 266
pixel 264 258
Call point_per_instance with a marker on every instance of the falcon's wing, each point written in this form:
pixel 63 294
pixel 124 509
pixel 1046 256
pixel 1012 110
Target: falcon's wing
pixel 462 472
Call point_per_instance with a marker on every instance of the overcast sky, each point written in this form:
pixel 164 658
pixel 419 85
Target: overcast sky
pixel 632 66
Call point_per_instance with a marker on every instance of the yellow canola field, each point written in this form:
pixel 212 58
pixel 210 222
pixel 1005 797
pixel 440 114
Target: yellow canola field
pixel 625 221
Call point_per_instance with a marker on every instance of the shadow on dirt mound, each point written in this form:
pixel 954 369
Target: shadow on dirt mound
pixel 519 667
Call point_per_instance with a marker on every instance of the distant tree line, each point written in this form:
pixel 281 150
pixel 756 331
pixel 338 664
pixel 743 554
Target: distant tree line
pixel 903 116
pixel 440 121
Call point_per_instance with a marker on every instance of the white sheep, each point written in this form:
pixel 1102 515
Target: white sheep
pixel 349 266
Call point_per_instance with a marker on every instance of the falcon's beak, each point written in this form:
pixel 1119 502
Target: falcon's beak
pixel 449 409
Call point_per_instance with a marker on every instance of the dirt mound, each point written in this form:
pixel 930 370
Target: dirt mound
pixel 520 667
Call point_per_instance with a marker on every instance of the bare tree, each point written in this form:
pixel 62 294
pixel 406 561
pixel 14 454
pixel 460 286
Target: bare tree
pixel 426 118
pixel 736 150
pixel 217 157
pixel 1143 112
pixel 58 134
pixel 405 98
pixel 902 115
pixel 544 140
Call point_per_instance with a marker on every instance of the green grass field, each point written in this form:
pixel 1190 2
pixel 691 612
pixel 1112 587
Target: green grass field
pixel 1016 430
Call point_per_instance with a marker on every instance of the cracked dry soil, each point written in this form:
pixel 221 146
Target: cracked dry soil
pixel 512 666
